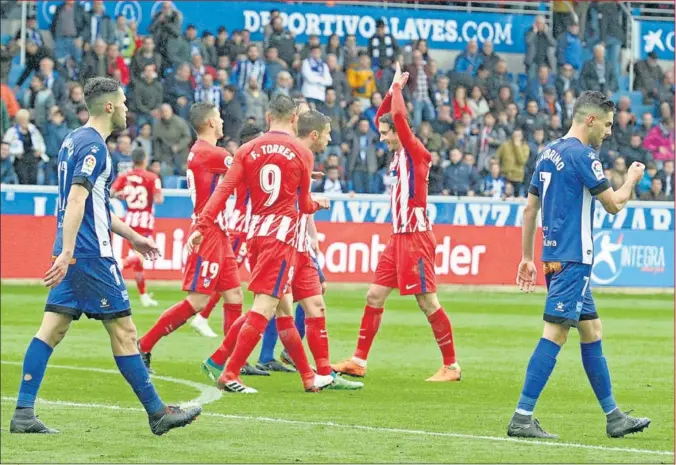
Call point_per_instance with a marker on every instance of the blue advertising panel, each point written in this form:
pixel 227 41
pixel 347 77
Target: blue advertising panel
pixel 658 37
pixel 449 30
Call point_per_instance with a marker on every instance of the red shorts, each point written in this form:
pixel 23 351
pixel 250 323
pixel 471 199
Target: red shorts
pixel 305 278
pixel 272 266
pixel 407 263
pixel 213 267
pixel 238 241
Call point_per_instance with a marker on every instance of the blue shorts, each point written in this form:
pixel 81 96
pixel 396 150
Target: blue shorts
pixel 93 286
pixel 569 297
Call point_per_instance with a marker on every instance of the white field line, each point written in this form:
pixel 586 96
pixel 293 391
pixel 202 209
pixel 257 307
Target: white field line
pixel 330 424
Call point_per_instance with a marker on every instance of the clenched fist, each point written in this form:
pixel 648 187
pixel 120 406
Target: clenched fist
pixel 636 171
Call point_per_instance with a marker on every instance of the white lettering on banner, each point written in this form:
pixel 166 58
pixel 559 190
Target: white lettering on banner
pixel 645 257
pixel 379 210
pixel 358 210
pixel 460 215
pixel 40 206
pixel 479 212
pixel 177 253
pixel 338 212
pixel 661 219
pixel 500 213
pixel 252 21
pixel 620 218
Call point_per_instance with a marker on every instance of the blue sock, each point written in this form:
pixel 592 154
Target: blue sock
pixel 34 366
pixel 133 370
pixel 270 337
pixel 599 377
pixel 540 366
pixel 300 321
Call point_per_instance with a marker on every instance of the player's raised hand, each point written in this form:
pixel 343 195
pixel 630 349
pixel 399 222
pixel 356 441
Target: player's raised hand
pixel 526 276
pixel 636 171
pixel 194 241
pixel 146 246
pixel 317 175
pixel 57 271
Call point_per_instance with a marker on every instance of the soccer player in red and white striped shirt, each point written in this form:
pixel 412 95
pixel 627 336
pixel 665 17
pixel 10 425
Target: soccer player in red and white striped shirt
pixel 407 262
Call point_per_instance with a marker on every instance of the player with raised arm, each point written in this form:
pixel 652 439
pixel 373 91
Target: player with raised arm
pixel 568 175
pixel 407 263
pixel 141 189
pixel 84 278
pixel 277 170
pixel 214 268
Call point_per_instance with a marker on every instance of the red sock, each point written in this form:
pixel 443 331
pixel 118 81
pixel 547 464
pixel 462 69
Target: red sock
pixel 443 333
pixel 169 321
pixel 131 261
pixel 213 300
pixel 228 345
pixel 140 282
pixel 293 344
pixel 370 323
pixel 230 314
pixel 249 336
pixel 318 341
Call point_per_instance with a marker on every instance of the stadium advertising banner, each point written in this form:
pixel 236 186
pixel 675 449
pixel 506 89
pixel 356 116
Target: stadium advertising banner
pixel 442 30
pixel 478 242
pixel 658 37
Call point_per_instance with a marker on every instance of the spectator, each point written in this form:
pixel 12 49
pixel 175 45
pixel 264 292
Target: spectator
pixel 430 139
pixel 361 161
pixel 237 46
pixel 612 32
pixel 166 25
pixel 207 92
pixel 196 46
pixel 148 96
pixel 621 134
pixel 7 172
pixel 666 88
pixel 554 129
pixel 156 167
pixel 443 122
pixel 34 56
pixel 530 120
pixel 482 79
pixel 282 40
pixel 498 79
pixel 511 122
pixel 503 100
pixel 550 106
pixel 209 46
pixel 82 116
pixel 667 177
pixel 122 161
pixel 489 138
pixel 470 160
pixel 26 147
pixel 666 111
pixel 382 44
pixel 468 61
pixel 223 43
pixel 256 102
pixel 172 140
pixel 331 108
pixel 7 96
pixel 435 183
pixel 460 178
pixel 494 182
pixel 643 185
pixel 567 107
pixel 316 76
pixel 340 84
pixel 569 48
pixel 334 47
pixel 312 41
pixel 331 182
pixel 647 123
pixel 225 65
pixel 178 90
pixel 5 122
pixel 68 26
pixel 660 141
pixel 648 74
pixel 618 174
pixel 199 70
pixel 422 46
pixel 442 94
pixel 268 29
pixel 372 110
pixel 99 26
pixel 254 67
pixel 125 38
pixel 38 100
pixel 655 193
pixel 144 140
pixel 32 32
pixel 362 80
pixel 419 87
pixel 232 113
pixel 563 15
pixel 540 48
pixel 635 151
pixel 55 132
pixel 178 51
pixel 95 62
pixel 477 103
pixel 146 55
pixel 513 156
pixel 509 192
pixel 350 52
pixel 284 85
pixel 117 68
pixel 460 103
pixel 597 74
pixel 536 145
pixel 536 87
pixel 274 65
pixel 565 80
pixel 488 56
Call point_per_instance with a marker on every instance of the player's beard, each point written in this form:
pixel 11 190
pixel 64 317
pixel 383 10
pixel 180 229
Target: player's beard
pixel 119 121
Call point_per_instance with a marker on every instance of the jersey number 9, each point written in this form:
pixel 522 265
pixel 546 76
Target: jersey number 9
pixel 271 182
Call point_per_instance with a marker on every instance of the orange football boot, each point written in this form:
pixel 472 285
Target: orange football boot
pixel 447 374
pixel 350 368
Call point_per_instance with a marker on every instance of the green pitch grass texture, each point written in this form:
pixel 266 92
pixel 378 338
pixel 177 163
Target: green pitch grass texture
pixel 398 417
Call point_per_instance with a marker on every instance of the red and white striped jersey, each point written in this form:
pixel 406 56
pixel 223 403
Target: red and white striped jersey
pixel 138 187
pixel 241 212
pixel 206 165
pixel 302 235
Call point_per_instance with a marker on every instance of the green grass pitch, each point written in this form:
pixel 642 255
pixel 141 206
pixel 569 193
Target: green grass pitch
pixel 398 417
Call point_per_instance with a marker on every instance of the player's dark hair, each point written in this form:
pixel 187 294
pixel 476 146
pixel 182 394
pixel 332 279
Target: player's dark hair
pixel 310 121
pixel 591 102
pixel 200 113
pixel 387 118
pixel 95 90
pixel 248 132
pixel 138 156
pixel 281 107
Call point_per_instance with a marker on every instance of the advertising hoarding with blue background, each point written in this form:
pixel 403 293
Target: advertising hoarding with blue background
pixel 658 37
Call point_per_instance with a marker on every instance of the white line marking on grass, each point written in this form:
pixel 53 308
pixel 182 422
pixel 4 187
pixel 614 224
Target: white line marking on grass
pixel 208 394
pixel 375 429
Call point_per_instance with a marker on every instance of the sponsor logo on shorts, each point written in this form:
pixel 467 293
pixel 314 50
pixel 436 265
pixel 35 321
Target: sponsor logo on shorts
pixel 410 286
pixel 104 303
pixel 559 307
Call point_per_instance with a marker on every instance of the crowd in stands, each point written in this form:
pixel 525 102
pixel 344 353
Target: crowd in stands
pixel 483 124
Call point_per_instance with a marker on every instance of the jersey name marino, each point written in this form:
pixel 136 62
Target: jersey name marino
pixel 84 159
pixel 568 174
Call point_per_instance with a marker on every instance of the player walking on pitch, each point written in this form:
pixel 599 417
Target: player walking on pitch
pixel 84 278
pixel 277 170
pixel 407 262
pixel 214 268
pixel 568 174
pixel 141 189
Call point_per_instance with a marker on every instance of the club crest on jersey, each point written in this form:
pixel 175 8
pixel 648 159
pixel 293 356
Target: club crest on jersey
pixel 228 161
pixel 88 164
pixel 598 170
pixel 207 282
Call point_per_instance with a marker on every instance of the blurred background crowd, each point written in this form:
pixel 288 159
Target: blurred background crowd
pixel 483 122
